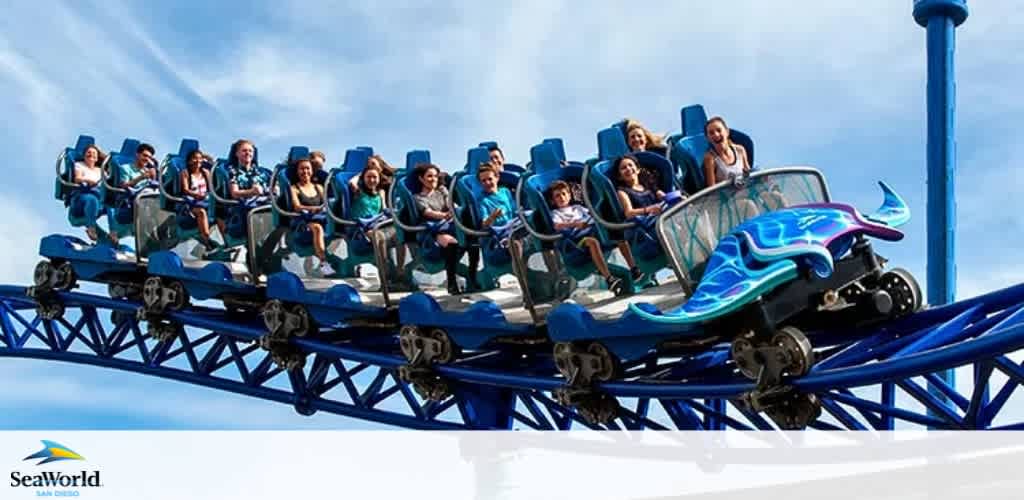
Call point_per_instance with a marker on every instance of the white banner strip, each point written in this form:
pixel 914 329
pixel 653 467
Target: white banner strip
pixel 504 465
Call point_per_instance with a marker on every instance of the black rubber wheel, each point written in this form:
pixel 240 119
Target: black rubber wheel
pixel 305 325
pixel 406 341
pixel 609 368
pixel 180 298
pixel 798 346
pixel 449 350
pixel 151 292
pixel 41 275
pixel 904 290
pixel 64 277
pixel 273 315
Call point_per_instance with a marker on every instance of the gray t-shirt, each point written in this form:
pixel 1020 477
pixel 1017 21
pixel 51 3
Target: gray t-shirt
pixel 437 200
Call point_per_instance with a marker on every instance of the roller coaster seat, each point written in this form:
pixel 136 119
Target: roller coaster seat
pixel 604 202
pixel 611 144
pixel 284 177
pixel 535 196
pixel 120 202
pixel 235 212
pixel 67 191
pixel 686 150
pixel 467 195
pixel 413 229
pixel 172 194
pixel 341 225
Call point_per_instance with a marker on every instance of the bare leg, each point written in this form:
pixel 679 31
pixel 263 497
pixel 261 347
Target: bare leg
pixel 597 257
pixel 627 254
pixel 318 241
pixel 202 223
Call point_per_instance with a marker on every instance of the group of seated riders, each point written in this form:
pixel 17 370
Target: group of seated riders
pixel 639 197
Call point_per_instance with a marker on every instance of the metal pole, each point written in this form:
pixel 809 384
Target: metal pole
pixel 940 18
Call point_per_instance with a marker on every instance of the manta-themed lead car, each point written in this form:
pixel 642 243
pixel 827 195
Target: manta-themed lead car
pixel 785 260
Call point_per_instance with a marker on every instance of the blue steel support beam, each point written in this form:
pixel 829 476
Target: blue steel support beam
pixel 940 18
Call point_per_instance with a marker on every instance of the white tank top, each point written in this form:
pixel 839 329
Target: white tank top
pixel 92 175
pixel 723 171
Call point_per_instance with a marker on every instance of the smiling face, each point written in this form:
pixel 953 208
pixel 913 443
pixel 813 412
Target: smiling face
pixel 429 179
pixel 628 171
pixel 143 158
pixel 245 153
pixel 497 159
pixel 371 179
pixel 304 170
pixel 717 133
pixel 194 160
pixel 488 180
pixel 637 139
pixel 91 156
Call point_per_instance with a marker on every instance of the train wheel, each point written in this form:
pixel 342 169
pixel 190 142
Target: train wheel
pixel 604 364
pixel 904 290
pixel 303 324
pixel 448 350
pixel 42 273
pixel 65 278
pixel 746 357
pixel 179 298
pixel 798 348
pixel 152 293
pixel 407 337
pixel 273 315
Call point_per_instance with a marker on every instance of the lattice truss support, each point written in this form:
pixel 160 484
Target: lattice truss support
pixel 884 379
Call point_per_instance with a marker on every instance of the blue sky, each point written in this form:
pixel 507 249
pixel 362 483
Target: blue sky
pixel 814 83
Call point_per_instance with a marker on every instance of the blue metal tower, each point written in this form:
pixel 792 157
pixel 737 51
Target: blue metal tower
pixel 940 18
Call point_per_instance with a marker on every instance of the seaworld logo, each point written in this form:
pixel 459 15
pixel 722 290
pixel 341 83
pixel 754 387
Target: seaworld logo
pixel 54 452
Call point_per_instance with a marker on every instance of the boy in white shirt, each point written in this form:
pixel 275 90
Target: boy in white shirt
pixel 572 217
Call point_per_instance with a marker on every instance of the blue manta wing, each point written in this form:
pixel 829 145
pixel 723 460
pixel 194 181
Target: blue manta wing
pixel 894 212
pixel 727 285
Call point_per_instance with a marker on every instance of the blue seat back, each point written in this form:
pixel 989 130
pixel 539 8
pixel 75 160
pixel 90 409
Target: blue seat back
pixel 611 144
pixel 557 146
pixel 544 158
pixel 355 159
pixel 415 157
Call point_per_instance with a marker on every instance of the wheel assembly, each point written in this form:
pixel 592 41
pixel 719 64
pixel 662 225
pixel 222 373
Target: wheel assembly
pixel 904 290
pixel 583 365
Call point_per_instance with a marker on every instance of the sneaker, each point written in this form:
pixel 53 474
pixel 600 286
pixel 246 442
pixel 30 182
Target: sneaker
pixel 614 285
pixel 636 274
pixel 325 269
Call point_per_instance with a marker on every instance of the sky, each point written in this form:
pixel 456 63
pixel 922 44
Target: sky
pixel 836 85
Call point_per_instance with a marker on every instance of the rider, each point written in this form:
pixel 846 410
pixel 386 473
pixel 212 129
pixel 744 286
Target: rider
pixel 87 175
pixel 308 199
pixel 724 158
pixel 195 184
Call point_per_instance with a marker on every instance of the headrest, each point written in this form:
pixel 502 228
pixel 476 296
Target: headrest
pixel 188 146
pixel 415 157
pixel 611 143
pixel 83 142
pixel 488 144
pixel 355 159
pixel 558 146
pixel 129 146
pixel 693 119
pixel 544 157
pixel 474 157
pixel 297 152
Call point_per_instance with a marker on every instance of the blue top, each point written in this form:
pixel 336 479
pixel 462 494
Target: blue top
pixel 246 178
pixel 502 198
pixel 640 199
